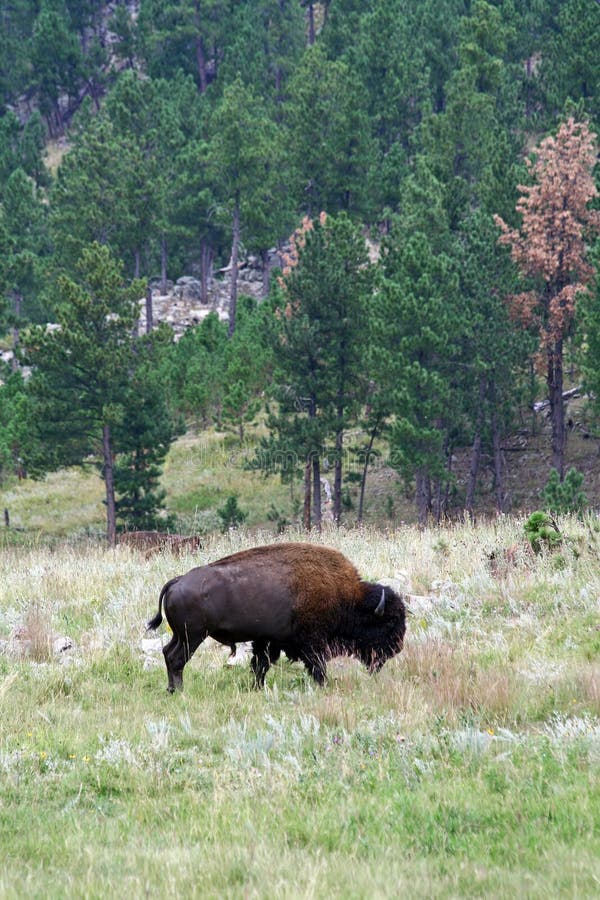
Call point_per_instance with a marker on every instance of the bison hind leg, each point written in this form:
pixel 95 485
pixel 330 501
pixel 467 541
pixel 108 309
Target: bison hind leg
pixel 274 653
pixel 177 653
pixel 264 653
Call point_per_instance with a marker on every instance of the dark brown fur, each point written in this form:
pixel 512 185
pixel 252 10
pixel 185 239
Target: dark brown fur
pixel 303 599
pixel 318 581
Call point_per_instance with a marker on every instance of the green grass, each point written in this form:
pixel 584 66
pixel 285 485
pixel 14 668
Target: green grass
pixel 200 473
pixel 469 767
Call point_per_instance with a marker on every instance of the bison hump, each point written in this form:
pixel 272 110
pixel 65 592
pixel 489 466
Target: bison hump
pixel 321 581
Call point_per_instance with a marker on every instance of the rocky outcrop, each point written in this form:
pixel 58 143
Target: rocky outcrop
pixel 182 305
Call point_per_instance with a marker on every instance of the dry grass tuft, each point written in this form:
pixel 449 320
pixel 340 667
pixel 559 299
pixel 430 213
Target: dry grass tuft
pixel 37 633
pixel 588 689
pixel 335 711
pixel 451 680
pixel 444 672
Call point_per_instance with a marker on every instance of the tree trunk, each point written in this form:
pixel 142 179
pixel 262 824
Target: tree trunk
pixel 136 263
pixel 109 483
pixel 557 410
pixel 363 478
pixel 306 512
pixel 423 496
pixel 14 363
pixel 311 24
pixel 497 455
pixel 266 273
pixel 235 249
pixel 163 264
pixel 205 269
pixel 476 449
pixel 200 55
pixel 149 321
pixel 337 477
pixel 316 474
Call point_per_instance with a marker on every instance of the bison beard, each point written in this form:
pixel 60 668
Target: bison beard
pixel 303 599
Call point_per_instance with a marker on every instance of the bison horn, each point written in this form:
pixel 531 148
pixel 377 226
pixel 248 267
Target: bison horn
pixel 380 608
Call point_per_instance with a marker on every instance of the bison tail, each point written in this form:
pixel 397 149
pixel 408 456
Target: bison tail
pixel 155 622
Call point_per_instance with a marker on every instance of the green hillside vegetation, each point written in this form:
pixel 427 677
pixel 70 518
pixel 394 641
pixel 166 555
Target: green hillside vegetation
pixel 150 140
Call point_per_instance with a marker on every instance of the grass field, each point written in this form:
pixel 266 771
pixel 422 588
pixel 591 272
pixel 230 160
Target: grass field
pixel 470 766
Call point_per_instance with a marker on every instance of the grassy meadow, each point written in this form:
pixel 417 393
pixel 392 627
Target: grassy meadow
pixel 469 767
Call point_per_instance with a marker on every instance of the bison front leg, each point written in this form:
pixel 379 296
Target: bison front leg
pixel 315 662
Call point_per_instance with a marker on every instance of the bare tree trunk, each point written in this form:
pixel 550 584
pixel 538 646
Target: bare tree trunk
pixel 423 496
pixel 205 268
pixel 476 449
pixel 200 55
pixel 136 263
pixel 311 24
pixel 163 264
pixel 109 483
pixel 316 467
pixel 557 411
pixel 266 273
pixel 338 466
pixel 235 249
pixel 363 478
pixel 14 363
pixel 149 320
pixel 307 486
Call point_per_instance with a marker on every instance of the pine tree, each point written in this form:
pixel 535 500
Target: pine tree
pixel 57 62
pixel 550 252
pixel 267 42
pixel 25 249
pixel 246 366
pixel 83 370
pixel 570 67
pixel 419 332
pixel 244 152
pixel 16 437
pixel 91 199
pixel 143 439
pixel 319 344
pixel 183 34
pixel 329 137
pixel 493 363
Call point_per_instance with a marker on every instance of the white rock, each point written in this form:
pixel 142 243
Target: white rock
pixel 62 643
pixel 242 653
pixel 152 645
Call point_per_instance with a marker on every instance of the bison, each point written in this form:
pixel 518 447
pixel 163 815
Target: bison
pixel 303 599
pixel 151 542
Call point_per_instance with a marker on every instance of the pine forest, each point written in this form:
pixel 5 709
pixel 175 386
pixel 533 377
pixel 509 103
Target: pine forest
pixel 413 186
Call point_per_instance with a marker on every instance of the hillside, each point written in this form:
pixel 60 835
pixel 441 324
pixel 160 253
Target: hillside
pixel 173 154
pixel 202 470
